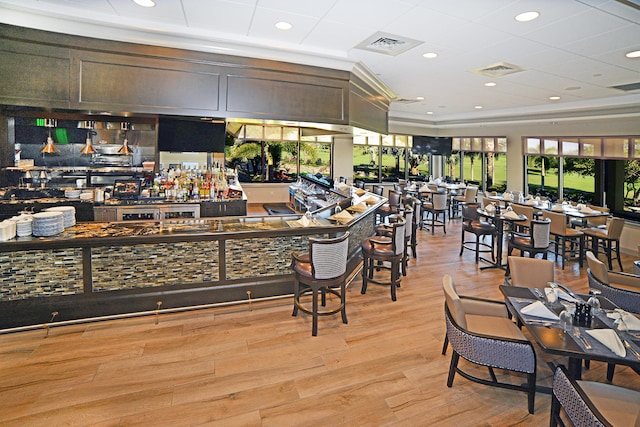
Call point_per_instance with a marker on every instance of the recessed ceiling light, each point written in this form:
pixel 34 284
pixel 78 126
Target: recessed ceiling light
pixel 430 55
pixel 420 98
pixel 145 3
pixel 478 107
pixel 283 25
pixel 634 54
pixel 554 98
pixel 429 112
pixel 527 16
pixel 490 84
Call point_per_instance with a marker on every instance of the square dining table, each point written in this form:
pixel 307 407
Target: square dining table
pixel 552 339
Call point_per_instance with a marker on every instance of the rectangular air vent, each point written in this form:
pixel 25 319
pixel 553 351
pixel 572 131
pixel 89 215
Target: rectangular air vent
pixel 387 44
pixel 628 87
pixel 497 70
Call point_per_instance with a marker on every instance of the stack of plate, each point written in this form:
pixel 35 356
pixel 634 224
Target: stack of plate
pixel 68 214
pixel 7 230
pixel 48 223
pixel 24 227
pixel 72 194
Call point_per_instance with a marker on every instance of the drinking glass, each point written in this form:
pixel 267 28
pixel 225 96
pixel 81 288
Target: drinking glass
pixel 593 301
pixel 566 320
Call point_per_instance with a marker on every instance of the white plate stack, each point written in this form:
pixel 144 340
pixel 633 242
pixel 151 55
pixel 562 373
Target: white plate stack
pixel 72 194
pixel 24 227
pixel 48 223
pixel 7 230
pixel 68 214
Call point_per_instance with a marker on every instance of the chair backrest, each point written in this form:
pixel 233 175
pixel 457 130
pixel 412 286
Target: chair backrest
pixel 540 234
pixel 530 272
pixel 470 194
pixel 597 268
pixel 343 180
pixel 486 202
pixel 408 219
pixel 329 256
pixel 396 187
pixel 523 210
pixel 394 198
pixel 470 212
pixel 598 220
pixel 453 301
pixel 360 184
pixel 614 228
pixel 558 222
pixel 378 190
pixel 439 201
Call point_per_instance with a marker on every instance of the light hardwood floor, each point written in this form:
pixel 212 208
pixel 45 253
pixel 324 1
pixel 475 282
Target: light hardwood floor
pixel 259 366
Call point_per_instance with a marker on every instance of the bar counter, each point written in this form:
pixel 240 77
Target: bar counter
pixel 98 269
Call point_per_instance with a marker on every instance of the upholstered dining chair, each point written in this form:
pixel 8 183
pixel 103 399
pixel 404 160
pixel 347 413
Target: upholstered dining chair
pixel 481 332
pixel 471 223
pixel 527 211
pixel 321 271
pixel 391 207
pixel 607 239
pixel 530 272
pixel 622 289
pixel 469 196
pixel 384 251
pixel 589 403
pixel 535 242
pixel 562 235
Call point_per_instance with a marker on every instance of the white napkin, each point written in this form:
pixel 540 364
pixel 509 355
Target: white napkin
pixel 490 208
pixel 609 338
pixel 511 215
pixel 342 186
pixel 565 296
pixel 531 202
pixel 587 210
pixel 557 208
pixel 507 196
pixel 632 322
pixel 538 309
pixel 304 221
pixel 412 187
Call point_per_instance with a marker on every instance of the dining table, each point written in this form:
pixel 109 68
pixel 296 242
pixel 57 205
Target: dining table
pixel 499 219
pixel 577 343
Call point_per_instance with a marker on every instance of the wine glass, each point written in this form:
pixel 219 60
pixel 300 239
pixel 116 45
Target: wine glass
pixel 566 319
pixel 593 301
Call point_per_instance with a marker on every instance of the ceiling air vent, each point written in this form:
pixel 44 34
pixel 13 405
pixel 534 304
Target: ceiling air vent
pixel 497 70
pixel 628 87
pixel 388 44
pixel 405 100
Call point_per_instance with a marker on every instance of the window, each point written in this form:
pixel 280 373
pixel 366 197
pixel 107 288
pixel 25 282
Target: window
pixel 480 160
pixel 383 158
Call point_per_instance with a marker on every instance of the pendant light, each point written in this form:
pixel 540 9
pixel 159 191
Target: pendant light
pixel 125 126
pixel 88 146
pixel 49 147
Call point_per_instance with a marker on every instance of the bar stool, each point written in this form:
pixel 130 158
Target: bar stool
pixel 381 249
pixel 607 239
pixel 536 242
pixel 435 208
pixel 322 270
pixel 469 196
pixel 563 235
pixel 391 207
pixel 471 223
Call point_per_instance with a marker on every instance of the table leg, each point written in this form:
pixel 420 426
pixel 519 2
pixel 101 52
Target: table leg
pixel 575 368
pixel 498 261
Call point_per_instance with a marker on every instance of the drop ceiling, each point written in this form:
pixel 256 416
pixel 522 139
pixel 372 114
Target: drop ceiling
pixel 575 50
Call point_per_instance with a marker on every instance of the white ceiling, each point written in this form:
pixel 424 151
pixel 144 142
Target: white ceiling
pixel 575 49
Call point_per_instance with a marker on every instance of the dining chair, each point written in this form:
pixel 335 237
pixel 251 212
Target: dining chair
pixel 623 289
pixel 378 189
pixel 320 271
pixel 607 239
pixel 562 235
pixel 392 206
pixel 590 403
pixel 530 272
pixel 385 251
pixel 469 196
pixel 535 242
pixel 527 211
pixel 481 332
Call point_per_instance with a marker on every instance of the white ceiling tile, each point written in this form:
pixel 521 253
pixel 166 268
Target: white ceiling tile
pixel 219 15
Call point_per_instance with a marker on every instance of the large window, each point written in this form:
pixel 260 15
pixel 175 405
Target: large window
pixel 479 160
pixel 383 158
pixel 277 154
pixel 586 169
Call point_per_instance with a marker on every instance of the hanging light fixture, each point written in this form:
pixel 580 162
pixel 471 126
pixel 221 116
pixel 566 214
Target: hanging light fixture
pixel 125 126
pixel 49 147
pixel 88 146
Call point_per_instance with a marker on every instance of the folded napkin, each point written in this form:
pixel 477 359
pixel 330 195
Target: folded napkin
pixel 412 187
pixel 507 196
pixel 587 210
pixel 511 215
pixel 342 186
pixel 360 207
pixel 565 296
pixel 609 338
pixel 303 221
pixel 372 200
pixel 557 208
pixel 342 216
pixel 531 202
pixel 424 188
pixel 490 208
pixel 538 309
pixel 360 192
pixel 631 321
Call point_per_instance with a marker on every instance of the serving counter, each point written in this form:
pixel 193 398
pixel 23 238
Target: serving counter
pixel 98 269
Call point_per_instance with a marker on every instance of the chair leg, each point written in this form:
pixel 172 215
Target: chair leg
pixel 395 277
pixel 555 411
pixel 343 301
pixel 314 315
pixel 462 242
pixel 618 254
pixel 365 274
pixel 532 392
pixel 452 368
pixel 296 297
pixel 445 345
pixel 611 367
